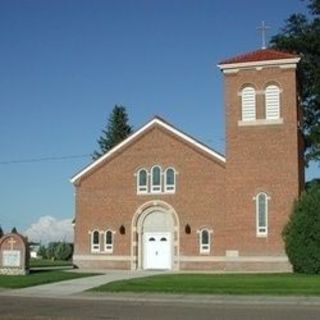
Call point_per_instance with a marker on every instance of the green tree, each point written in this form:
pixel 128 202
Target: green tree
pixel 301 235
pixel 42 252
pixel 63 251
pixel 117 129
pixel 1 232
pixel 301 35
pixel 14 230
pixel 50 250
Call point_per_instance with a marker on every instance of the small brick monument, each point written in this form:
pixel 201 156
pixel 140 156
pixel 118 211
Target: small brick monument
pixel 14 254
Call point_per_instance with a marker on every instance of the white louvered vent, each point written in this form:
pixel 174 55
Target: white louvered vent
pixel 248 103
pixel 272 95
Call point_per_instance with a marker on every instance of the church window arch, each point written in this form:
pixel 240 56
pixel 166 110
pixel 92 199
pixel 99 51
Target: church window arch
pixel 142 181
pixel 156 179
pixel 205 240
pixel 170 180
pixel 95 241
pixel 272 102
pixel 248 104
pixel 262 200
pixel 108 237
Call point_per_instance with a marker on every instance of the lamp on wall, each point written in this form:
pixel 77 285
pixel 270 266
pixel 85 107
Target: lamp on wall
pixel 122 229
pixel 187 229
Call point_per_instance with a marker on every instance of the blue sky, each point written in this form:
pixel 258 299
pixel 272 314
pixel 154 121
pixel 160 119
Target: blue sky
pixel 65 64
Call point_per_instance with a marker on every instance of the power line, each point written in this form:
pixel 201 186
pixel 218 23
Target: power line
pixel 44 159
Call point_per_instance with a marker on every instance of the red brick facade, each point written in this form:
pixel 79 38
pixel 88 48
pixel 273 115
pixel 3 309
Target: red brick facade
pixel 211 192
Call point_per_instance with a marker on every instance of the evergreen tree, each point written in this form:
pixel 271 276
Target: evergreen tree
pixel 42 252
pixel 14 230
pixel 63 251
pixel 301 35
pixel 301 235
pixel 1 232
pixel 117 130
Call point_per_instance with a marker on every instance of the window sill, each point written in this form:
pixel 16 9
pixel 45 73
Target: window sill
pixel 262 235
pixel 260 122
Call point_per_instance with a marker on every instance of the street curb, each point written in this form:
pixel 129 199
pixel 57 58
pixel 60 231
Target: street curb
pixel 180 299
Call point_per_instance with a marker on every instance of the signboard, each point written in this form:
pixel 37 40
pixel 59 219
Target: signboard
pixel 11 258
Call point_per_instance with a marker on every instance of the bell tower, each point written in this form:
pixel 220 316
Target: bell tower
pixel 263 149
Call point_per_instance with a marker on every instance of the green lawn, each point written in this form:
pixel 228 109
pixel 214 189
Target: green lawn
pixel 48 263
pixel 38 277
pixel 241 284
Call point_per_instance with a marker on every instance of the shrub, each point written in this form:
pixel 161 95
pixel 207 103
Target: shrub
pixel 63 251
pixel 302 233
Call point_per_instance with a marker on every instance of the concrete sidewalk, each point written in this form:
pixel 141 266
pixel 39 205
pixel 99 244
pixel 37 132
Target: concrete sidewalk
pixel 75 286
pixel 75 289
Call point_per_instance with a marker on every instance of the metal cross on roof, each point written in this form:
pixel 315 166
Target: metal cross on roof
pixel 264 28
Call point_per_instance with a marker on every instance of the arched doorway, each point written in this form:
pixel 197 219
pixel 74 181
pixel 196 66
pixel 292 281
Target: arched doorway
pixel 155 237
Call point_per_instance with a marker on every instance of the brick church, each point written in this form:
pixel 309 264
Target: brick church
pixel 163 200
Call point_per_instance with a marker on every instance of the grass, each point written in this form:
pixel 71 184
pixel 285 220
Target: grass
pixel 35 278
pixel 49 263
pixel 238 284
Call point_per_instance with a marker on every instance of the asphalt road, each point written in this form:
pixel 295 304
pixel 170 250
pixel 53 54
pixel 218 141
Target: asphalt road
pixel 18 308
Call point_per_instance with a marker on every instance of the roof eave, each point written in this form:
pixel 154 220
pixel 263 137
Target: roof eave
pixel 261 63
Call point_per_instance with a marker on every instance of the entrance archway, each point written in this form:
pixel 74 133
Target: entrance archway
pixel 155 237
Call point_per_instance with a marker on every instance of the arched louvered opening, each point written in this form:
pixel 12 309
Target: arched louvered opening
pixel 272 102
pixel 248 104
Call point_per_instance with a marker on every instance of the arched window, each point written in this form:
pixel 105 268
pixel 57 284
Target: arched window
pixel 156 179
pixel 205 241
pixel 95 241
pixel 142 181
pixel 248 104
pixel 108 241
pixel 170 180
pixel 272 102
pixel 262 214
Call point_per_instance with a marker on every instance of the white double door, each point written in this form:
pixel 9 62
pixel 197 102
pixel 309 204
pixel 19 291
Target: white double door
pixel 157 250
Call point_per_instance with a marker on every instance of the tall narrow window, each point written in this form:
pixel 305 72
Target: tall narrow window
pixel 142 180
pixel 204 241
pixel 248 104
pixel 272 102
pixel 262 214
pixel 170 180
pixel 109 241
pixel 156 179
pixel 95 241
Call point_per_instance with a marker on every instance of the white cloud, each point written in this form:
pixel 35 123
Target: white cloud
pixel 48 229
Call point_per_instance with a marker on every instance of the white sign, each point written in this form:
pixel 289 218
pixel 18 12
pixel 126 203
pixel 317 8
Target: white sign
pixel 11 258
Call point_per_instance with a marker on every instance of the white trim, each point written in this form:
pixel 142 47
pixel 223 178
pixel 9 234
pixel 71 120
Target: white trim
pixel 100 257
pixel 240 65
pixel 236 259
pixel 171 188
pixel 262 231
pixel 260 122
pixel 204 248
pixel 156 188
pixel 108 248
pixel 140 189
pixel 155 121
pixel 95 247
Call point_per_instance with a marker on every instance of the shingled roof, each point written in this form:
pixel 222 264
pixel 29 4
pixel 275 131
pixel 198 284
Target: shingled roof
pixel 259 55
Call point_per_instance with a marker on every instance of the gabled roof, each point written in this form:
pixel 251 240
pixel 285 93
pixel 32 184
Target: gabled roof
pixel 259 56
pixel 156 121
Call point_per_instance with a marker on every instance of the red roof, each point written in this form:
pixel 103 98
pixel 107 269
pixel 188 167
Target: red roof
pixel 259 55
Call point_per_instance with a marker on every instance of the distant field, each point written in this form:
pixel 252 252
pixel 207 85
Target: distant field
pixel 48 263
pixel 239 284
pixel 39 277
